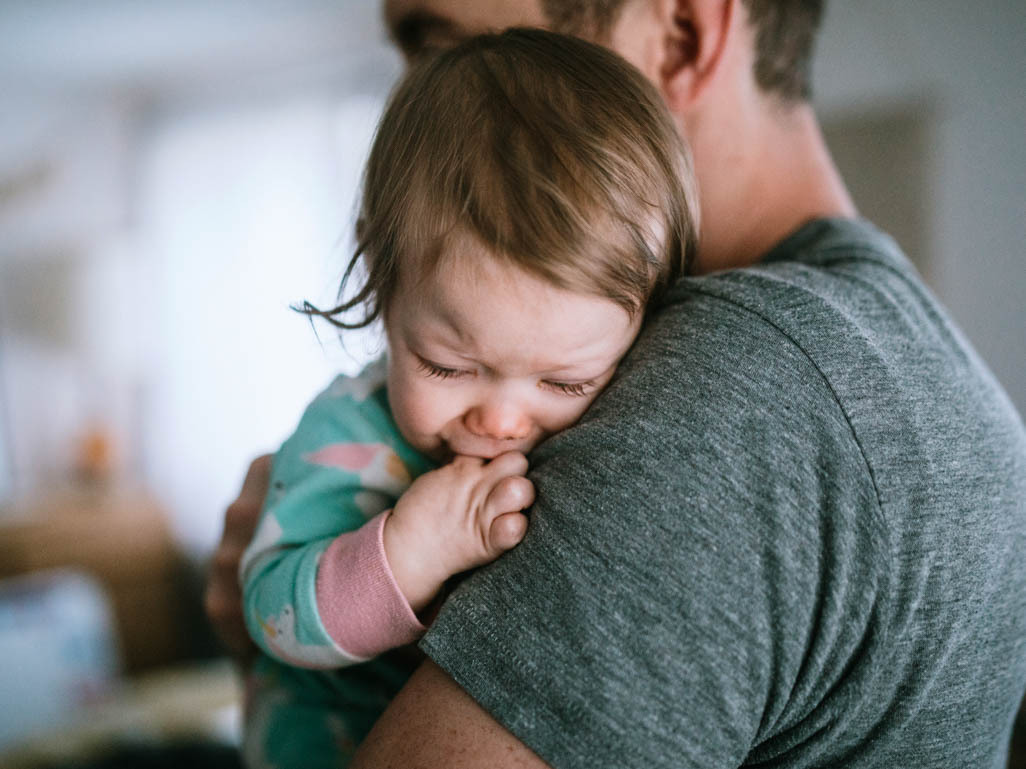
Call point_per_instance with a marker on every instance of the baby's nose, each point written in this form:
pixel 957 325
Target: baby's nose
pixel 499 422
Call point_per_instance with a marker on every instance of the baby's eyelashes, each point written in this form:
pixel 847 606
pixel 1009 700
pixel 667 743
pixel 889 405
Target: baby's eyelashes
pixel 577 389
pixel 440 372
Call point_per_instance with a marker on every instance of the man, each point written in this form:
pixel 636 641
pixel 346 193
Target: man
pixel 789 533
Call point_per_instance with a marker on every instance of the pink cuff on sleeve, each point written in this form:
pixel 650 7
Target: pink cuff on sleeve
pixel 360 603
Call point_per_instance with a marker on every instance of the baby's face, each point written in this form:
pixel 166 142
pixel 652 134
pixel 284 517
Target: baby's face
pixel 485 358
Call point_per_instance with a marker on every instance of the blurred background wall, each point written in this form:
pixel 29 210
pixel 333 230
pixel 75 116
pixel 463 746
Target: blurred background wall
pixel 174 174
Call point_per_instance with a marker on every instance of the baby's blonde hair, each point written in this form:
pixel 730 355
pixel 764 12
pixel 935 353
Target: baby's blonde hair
pixel 553 153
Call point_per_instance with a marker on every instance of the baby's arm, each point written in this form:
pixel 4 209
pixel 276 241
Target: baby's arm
pixel 372 583
pixel 369 584
pixel 323 587
pixel 337 470
pixel 280 569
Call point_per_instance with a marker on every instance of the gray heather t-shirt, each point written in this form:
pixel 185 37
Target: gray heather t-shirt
pixel 792 533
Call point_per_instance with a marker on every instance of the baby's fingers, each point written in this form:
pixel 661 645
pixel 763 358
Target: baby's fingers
pixel 502 524
pixel 512 493
pixel 506 531
pixel 510 463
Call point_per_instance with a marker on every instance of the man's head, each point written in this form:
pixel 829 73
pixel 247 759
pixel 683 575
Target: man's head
pixel 784 34
pixel 784 30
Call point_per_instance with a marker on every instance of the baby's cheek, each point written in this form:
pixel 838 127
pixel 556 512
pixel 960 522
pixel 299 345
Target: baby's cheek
pixel 415 414
pixel 401 400
pixel 570 413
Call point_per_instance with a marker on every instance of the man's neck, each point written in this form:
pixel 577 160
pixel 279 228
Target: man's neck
pixel 783 177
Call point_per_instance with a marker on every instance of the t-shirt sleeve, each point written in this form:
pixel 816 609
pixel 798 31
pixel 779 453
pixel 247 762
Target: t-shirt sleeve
pixel 701 563
pixel 343 466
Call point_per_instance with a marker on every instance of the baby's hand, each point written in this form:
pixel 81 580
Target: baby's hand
pixel 459 516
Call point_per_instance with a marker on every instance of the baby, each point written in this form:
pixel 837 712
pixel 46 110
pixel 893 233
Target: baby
pixel 526 198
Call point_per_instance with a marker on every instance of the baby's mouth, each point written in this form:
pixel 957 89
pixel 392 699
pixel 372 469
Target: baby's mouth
pixel 485 449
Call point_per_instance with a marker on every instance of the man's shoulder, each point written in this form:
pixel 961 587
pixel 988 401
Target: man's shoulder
pixel 760 343
pixel 831 284
pixel 835 319
pixel 726 407
pixel 815 364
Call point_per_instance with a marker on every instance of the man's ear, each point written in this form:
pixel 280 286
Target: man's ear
pixel 695 37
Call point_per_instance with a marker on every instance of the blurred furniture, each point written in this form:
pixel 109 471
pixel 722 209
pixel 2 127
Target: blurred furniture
pixel 118 536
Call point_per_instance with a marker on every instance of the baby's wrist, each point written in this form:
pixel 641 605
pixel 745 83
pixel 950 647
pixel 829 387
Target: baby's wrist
pixel 416 572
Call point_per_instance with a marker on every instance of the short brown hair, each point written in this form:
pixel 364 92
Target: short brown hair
pixel 785 31
pixel 552 152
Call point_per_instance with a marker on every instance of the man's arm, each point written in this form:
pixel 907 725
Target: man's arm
pixel 433 723
pixel 223 598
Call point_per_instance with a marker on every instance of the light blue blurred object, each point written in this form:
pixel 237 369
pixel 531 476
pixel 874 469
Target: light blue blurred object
pixel 58 651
